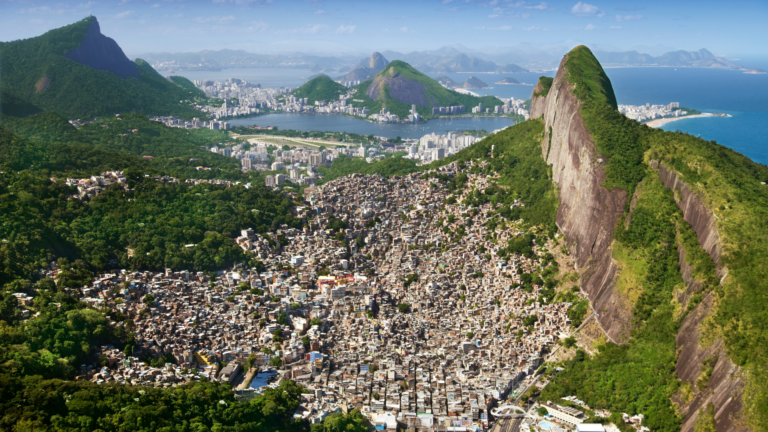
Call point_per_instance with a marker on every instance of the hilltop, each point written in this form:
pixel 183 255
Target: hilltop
pixel 399 85
pixel 366 68
pixel 79 73
pixel 320 88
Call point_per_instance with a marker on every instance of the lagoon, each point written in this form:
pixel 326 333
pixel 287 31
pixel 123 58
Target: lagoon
pixel 340 123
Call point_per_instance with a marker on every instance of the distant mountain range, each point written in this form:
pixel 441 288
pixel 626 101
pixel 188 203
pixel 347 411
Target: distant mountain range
pixel 453 59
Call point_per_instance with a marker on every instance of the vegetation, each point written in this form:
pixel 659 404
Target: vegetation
pixel 14 108
pixel 524 176
pixel 321 88
pixel 435 94
pixel 545 83
pixel 55 146
pixel 35 71
pixel 344 165
pixel 639 377
pixel 153 226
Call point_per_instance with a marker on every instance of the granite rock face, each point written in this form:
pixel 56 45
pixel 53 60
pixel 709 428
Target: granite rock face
pixel 725 387
pixel 102 53
pixel 588 212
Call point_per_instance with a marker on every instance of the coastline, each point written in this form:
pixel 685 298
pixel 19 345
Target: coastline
pixel 661 122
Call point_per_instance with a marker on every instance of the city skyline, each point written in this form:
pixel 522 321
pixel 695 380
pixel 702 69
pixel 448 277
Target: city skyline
pixel 350 28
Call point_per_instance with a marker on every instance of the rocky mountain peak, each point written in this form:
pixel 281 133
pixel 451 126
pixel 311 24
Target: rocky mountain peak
pixel 102 53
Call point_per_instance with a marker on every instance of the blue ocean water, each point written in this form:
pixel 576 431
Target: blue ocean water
pixel 743 96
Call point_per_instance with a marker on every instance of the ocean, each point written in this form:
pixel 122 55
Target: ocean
pixel 743 96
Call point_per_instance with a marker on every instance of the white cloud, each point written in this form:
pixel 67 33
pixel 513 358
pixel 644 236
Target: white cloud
pixel 628 17
pixel 86 5
pixel 615 27
pixel 257 26
pixel 125 14
pixel 308 29
pixel 589 27
pixel 445 2
pixel 531 28
pixel 345 29
pixel 215 19
pixel 586 9
pixel 156 5
pixel 42 10
pixel 319 12
pixel 404 29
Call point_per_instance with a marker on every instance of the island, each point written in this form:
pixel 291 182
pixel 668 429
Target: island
pixel 507 81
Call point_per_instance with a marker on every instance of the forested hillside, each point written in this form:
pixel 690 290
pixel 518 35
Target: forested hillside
pixel 116 143
pixel 37 73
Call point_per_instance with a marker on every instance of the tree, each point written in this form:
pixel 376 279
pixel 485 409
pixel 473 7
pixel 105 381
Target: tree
pixel 282 318
pixel 316 322
pixel 404 307
pixel 470 335
pixel 275 362
pixel 569 342
pixel 306 342
pixel 542 411
pixel 148 300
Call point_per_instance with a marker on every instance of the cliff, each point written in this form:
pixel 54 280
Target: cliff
pixel 588 211
pixel 102 53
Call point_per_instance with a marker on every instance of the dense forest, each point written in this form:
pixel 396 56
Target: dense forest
pixel 130 140
pixel 152 225
pixel 321 88
pixel 36 71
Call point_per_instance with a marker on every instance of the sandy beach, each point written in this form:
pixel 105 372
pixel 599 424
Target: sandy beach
pixel 660 122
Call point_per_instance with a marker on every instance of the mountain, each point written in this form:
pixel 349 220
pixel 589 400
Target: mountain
pixel 80 73
pixel 507 81
pixel 511 68
pixel 471 83
pixel 461 63
pixel 365 69
pixel 320 88
pixel 399 85
pixel 474 83
pixel 667 233
pixel 701 59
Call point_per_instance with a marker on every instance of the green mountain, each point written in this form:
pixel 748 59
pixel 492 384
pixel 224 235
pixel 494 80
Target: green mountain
pixel 47 141
pixel 320 88
pixel 80 73
pixel 399 85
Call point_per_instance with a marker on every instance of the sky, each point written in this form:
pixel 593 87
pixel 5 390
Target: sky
pixel 338 27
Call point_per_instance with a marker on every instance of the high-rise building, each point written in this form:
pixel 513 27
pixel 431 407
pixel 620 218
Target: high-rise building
pixel 271 181
pixel 246 164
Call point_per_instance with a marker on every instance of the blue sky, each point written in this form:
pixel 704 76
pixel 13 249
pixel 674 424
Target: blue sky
pixel 731 29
